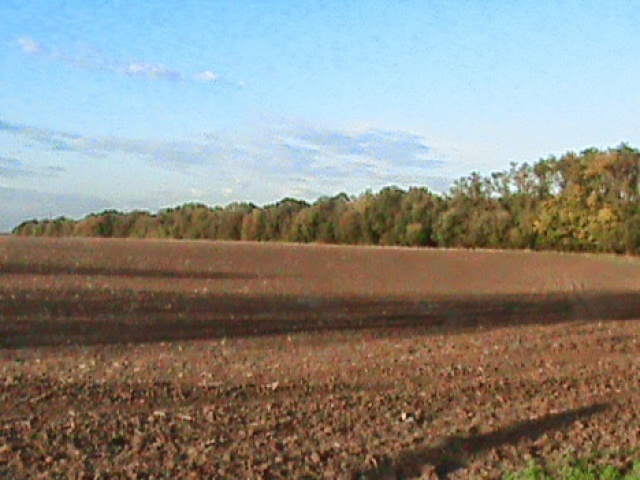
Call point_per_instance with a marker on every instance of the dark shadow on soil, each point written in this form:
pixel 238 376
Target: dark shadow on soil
pixel 91 317
pixel 454 452
pixel 39 269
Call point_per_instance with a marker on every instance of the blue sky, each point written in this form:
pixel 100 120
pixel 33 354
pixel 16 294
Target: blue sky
pixel 119 104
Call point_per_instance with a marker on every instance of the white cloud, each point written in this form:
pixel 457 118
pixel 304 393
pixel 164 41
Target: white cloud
pixel 30 46
pixel 95 61
pixel 207 76
pixel 146 70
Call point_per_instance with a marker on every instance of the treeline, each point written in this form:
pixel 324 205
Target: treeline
pixel 578 202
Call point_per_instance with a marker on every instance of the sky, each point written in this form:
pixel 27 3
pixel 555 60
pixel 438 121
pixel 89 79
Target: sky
pixel 145 105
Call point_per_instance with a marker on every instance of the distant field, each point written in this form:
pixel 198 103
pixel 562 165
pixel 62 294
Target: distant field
pixel 244 360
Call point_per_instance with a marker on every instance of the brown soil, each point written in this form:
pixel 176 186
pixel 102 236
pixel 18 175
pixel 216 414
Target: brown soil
pixel 150 359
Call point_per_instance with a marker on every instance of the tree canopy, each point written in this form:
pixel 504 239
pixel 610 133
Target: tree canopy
pixel 584 202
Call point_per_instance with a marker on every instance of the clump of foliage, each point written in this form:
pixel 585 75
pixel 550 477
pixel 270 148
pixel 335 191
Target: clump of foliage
pixel 577 470
pixel 585 202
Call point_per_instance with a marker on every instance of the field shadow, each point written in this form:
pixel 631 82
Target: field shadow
pixel 92 317
pixel 455 451
pixel 41 269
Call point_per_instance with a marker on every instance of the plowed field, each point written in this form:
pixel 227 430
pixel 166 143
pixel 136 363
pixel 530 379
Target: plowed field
pixel 153 359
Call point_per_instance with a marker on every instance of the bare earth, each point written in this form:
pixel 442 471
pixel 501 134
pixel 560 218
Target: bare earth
pixel 150 359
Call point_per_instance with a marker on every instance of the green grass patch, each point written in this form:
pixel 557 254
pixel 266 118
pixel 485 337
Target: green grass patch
pixel 579 469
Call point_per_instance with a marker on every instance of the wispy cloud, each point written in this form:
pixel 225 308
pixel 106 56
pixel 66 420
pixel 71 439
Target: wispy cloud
pixel 95 61
pixel 371 146
pixel 54 140
pixel 169 154
pixel 273 163
pixel 14 168
pixel 368 158
pixel 391 156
